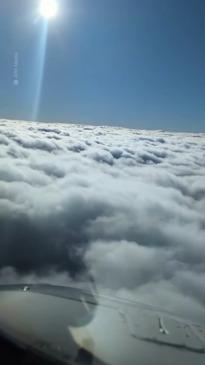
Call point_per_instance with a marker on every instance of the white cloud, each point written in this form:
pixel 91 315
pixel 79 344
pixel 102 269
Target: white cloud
pixel 126 206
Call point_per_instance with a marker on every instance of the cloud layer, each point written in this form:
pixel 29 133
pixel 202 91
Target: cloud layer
pixel 125 206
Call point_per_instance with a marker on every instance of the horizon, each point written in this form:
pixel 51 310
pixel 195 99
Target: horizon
pixel 95 124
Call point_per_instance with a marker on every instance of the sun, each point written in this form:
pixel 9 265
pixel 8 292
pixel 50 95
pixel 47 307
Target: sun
pixel 48 8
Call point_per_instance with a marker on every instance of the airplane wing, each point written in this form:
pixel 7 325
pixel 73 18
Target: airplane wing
pixel 65 325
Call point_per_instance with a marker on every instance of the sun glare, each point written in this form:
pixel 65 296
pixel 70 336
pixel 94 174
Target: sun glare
pixel 48 8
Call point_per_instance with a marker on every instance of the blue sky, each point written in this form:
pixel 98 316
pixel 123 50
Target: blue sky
pixel 134 63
